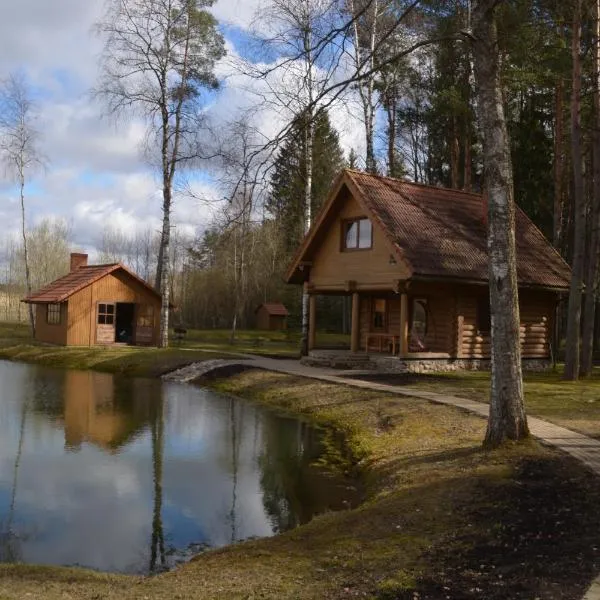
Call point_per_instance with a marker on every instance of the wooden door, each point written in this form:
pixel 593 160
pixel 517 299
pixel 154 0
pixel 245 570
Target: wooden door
pixel 105 323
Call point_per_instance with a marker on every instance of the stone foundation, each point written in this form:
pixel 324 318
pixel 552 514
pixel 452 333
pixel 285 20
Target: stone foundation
pixel 392 364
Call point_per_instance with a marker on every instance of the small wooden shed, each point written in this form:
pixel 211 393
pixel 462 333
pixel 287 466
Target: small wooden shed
pixel 97 305
pixel 271 316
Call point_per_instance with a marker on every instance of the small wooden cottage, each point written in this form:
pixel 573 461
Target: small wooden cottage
pixel 414 259
pixel 97 305
pixel 271 316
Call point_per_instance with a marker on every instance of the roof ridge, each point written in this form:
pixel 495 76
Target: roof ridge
pixel 416 183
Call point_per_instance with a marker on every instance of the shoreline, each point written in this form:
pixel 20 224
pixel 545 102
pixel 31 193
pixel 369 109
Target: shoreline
pixel 424 524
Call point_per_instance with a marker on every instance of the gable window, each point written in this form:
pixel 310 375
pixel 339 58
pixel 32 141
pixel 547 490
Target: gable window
pixel 106 314
pixel 53 314
pixel 379 318
pixel 484 317
pixel 357 234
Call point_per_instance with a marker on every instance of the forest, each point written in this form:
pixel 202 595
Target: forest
pixel 406 69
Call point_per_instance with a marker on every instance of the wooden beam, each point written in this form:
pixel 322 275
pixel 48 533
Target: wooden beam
pixel 355 332
pixel 403 325
pixel 460 328
pixel 312 321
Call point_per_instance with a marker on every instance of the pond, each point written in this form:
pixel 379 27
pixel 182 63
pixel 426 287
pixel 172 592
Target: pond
pixel 136 475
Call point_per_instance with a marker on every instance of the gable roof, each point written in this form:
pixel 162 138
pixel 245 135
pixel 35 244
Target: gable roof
pixel 274 308
pixel 64 287
pixel 439 233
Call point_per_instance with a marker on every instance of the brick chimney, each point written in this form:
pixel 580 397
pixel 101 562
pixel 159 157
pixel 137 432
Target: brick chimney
pixel 78 260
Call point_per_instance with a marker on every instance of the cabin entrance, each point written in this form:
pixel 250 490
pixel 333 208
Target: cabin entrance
pixel 125 322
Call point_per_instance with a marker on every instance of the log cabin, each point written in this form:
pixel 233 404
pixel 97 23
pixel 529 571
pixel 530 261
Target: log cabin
pixel 271 316
pixel 414 260
pixel 96 305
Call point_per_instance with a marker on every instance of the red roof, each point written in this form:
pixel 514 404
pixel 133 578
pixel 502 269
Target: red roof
pixel 274 308
pixel 440 233
pixel 64 287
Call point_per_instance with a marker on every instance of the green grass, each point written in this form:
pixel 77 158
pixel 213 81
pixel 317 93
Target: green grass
pixel 572 404
pixel 16 344
pixel 429 487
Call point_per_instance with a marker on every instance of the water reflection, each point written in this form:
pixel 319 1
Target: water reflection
pixel 134 475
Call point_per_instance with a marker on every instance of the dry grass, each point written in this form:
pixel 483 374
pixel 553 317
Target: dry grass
pixel 431 490
pixel 575 405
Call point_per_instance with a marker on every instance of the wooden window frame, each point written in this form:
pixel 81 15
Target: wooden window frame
pixel 386 316
pixel 411 315
pixel 51 309
pixel 106 313
pixel 345 224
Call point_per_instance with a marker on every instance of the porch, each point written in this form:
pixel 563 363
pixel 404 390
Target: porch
pixel 398 325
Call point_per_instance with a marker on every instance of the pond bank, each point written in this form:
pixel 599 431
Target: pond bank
pixel 442 518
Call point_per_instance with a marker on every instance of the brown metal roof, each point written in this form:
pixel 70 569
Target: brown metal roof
pixel 441 233
pixel 64 287
pixel 274 308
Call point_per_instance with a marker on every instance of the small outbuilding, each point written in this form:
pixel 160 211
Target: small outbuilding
pixel 97 305
pixel 271 316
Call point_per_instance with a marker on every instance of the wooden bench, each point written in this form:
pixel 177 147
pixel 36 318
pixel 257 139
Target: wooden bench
pixel 382 340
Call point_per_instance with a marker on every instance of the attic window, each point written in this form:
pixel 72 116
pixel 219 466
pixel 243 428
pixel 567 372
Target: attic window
pixel 357 234
pixel 53 314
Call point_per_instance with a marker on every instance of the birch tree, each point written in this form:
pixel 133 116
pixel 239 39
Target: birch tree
pixel 159 56
pixel 19 144
pixel 507 418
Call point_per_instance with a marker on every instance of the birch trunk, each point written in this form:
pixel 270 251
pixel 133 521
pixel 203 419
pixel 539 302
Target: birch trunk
pixel 507 420
pixel 572 358
pixel 591 280
pixel 25 249
pixel 308 158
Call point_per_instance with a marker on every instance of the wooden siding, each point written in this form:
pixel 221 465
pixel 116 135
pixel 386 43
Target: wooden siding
pixel 116 287
pixel 332 267
pixel 268 322
pixel 537 317
pixel 452 320
pixel 51 334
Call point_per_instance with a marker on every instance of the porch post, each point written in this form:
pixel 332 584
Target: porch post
pixel 355 331
pixel 312 321
pixel 403 324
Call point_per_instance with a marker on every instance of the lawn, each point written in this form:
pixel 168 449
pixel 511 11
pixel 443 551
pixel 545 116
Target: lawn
pixel 16 344
pixel 442 518
pixel 575 405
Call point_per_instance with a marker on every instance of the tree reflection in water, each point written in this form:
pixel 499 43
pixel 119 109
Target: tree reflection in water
pixel 10 542
pixel 158 560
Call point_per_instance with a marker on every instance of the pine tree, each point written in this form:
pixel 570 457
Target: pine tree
pixel 286 200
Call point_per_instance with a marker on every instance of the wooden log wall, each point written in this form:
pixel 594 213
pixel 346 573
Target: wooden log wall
pixel 535 329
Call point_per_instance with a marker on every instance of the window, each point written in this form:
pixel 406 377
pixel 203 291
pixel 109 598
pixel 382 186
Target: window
pixel 379 313
pixel 484 317
pixel 145 315
pixel 106 314
pixel 358 235
pixel 53 314
pixel 418 325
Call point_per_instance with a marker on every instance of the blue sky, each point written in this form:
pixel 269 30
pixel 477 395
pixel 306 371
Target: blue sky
pixel 95 171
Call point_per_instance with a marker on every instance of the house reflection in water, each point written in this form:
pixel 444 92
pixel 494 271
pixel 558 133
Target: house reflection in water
pixel 105 411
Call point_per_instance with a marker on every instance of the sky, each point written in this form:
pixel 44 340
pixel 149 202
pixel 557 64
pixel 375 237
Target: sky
pixel 94 171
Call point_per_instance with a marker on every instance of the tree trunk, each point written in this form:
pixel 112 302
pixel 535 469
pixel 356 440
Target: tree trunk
pixel 559 163
pixel 162 274
pixel 591 279
pixel 507 418
pixel 572 359
pixel 454 155
pixel 25 251
pixel 310 129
